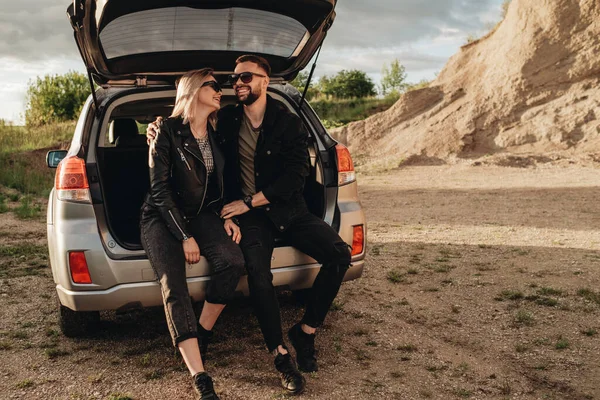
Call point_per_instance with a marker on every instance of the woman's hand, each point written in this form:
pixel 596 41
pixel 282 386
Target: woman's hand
pixel 191 251
pixel 152 130
pixel 234 208
pixel 233 230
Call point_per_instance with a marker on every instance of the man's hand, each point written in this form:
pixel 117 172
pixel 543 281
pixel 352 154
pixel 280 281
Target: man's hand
pixel 234 208
pixel 191 250
pixel 233 230
pixel 152 130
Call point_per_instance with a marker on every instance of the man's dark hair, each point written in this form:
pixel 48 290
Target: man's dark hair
pixel 260 61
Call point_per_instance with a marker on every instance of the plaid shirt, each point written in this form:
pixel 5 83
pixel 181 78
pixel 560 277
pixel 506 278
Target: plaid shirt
pixel 206 151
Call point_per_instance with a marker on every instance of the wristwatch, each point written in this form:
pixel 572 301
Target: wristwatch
pixel 248 201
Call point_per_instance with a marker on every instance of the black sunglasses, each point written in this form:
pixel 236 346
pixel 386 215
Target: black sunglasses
pixel 246 77
pixel 213 84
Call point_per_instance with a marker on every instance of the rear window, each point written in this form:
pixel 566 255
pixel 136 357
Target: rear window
pixel 189 29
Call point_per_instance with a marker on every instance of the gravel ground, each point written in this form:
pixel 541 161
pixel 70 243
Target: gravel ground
pixel 480 282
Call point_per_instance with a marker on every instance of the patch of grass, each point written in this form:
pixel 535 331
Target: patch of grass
pixel 52 332
pixel 338 112
pixel 548 291
pixel 562 344
pixel 395 277
pixel 23 249
pixel 509 295
pixel 375 249
pixel 463 392
pixel 589 295
pixel 28 324
pixel 521 348
pixel 412 271
pixel 25 383
pixel 360 332
pixel 336 306
pixel 5 345
pixel 546 301
pixel 146 360
pixel 19 335
pixel 408 348
pixel 53 353
pixel 371 343
pixel 361 355
pixel 27 209
pixel 119 396
pixel 397 374
pixel 524 317
pixel 156 374
pixel 22 165
pixel 589 332
pixel 432 289
pixel 3 207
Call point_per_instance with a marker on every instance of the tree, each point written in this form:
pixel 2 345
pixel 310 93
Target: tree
pixel 347 84
pixel 394 78
pixel 56 98
pixel 299 83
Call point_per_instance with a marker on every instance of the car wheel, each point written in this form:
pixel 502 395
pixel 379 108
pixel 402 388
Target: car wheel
pixel 77 323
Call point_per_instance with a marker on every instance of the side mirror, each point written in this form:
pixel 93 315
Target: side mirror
pixel 54 157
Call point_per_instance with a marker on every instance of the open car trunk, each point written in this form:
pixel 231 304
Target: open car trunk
pixel 122 42
pixel 122 160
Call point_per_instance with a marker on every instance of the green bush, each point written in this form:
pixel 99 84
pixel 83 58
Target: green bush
pixel 56 98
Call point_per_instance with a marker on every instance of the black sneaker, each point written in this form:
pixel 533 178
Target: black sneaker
pixel 204 339
pixel 204 386
pixel 304 344
pixel 291 379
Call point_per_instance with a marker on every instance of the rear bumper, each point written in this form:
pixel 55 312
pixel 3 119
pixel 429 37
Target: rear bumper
pixel 147 294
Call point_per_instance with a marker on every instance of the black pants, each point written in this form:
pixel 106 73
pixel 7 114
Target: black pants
pixel 166 256
pixel 312 236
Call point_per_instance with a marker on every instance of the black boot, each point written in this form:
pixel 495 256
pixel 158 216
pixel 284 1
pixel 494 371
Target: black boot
pixel 304 344
pixel 291 379
pixel 204 386
pixel 204 339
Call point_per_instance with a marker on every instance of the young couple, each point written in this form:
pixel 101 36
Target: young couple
pixel 223 182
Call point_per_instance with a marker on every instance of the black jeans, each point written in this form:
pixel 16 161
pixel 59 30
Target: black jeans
pixel 312 236
pixel 166 256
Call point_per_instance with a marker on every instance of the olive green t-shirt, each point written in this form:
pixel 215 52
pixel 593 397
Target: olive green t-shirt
pixel 248 139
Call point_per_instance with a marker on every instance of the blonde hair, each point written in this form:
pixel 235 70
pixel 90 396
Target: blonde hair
pixel 187 90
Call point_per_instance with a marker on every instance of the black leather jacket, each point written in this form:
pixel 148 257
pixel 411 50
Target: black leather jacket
pixel 281 160
pixel 178 176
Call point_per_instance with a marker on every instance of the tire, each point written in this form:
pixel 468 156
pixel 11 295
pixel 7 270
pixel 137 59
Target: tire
pixel 77 323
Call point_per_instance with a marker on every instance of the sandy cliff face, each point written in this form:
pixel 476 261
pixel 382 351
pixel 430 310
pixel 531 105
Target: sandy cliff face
pixel 530 87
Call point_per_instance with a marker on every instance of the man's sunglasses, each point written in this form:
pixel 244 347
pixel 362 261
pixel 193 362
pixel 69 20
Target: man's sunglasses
pixel 246 77
pixel 213 84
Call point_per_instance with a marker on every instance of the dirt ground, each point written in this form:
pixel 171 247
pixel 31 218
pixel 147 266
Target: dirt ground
pixel 480 282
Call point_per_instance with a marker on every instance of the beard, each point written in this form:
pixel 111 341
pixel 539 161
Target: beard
pixel 251 97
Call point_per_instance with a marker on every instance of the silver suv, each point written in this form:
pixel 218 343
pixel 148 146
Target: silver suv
pixel 135 51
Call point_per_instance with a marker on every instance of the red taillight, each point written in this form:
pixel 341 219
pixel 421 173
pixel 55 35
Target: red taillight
pixel 346 172
pixel 79 268
pixel 358 240
pixel 71 180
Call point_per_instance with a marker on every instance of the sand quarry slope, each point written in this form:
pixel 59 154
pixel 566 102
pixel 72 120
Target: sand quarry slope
pixel 529 90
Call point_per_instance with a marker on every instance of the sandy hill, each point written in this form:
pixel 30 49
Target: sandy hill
pixel 529 90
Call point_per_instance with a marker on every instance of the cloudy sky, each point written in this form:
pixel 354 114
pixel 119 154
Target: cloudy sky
pixel 36 39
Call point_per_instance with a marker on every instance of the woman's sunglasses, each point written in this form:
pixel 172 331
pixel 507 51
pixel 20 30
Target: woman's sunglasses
pixel 213 84
pixel 246 77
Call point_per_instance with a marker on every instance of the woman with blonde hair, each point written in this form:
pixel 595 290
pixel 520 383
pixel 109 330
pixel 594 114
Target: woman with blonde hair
pixel 180 219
